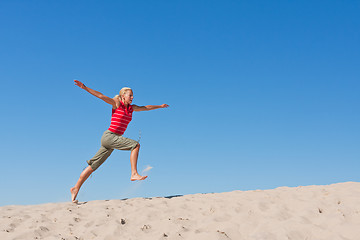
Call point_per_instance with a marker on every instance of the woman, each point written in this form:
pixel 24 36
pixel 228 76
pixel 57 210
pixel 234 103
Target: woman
pixel 112 138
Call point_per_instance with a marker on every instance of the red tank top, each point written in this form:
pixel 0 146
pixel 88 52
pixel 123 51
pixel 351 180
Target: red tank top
pixel 120 119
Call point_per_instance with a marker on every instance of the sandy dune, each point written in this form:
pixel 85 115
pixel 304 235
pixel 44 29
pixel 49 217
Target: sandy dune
pixel 313 212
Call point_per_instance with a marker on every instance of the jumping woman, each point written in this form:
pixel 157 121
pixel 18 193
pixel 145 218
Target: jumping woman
pixel 112 138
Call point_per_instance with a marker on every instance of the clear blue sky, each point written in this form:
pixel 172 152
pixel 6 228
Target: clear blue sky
pixel 262 94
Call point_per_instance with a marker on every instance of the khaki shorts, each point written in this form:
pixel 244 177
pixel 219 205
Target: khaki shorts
pixel 109 142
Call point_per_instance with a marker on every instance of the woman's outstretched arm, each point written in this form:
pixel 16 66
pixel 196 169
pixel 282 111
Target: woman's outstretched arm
pixel 96 93
pixel 148 107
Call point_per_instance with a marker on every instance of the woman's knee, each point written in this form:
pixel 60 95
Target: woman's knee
pixel 137 147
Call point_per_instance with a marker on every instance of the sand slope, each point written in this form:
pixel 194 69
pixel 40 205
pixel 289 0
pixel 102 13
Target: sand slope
pixel 313 212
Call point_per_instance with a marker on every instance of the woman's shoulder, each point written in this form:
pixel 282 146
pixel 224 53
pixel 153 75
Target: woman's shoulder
pixel 117 102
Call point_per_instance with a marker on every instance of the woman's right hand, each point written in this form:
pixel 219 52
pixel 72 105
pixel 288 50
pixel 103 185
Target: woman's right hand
pixel 80 84
pixel 96 93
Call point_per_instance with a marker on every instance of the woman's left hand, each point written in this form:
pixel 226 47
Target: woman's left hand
pixel 164 105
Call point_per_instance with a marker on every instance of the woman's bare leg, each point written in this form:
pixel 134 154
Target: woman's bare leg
pixel 83 176
pixel 133 160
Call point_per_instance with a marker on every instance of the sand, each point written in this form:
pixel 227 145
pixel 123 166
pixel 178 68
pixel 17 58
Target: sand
pixel 313 212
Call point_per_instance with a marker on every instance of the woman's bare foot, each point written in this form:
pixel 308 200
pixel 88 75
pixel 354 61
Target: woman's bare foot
pixel 135 177
pixel 74 192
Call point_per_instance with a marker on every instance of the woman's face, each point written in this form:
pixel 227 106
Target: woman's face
pixel 128 97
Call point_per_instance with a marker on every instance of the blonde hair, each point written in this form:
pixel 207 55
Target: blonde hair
pixel 122 92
